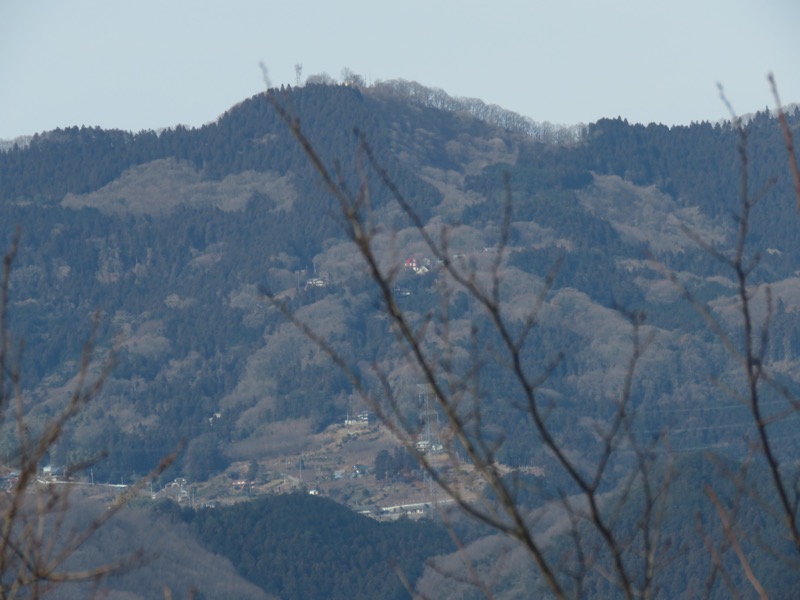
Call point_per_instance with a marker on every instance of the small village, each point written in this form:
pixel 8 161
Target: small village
pixel 342 467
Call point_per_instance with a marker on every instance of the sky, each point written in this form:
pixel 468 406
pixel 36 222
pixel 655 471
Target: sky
pixel 150 64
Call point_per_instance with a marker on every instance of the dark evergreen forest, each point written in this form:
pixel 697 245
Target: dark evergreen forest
pixel 299 546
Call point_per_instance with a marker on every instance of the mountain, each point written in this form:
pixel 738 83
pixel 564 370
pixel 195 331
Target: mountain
pixel 175 236
pixel 290 546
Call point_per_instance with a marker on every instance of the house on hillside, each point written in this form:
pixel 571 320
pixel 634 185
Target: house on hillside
pixel 315 282
pixel 360 471
pixel 419 267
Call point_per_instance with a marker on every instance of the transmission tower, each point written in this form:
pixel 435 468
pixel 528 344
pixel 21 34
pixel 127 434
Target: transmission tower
pixel 430 417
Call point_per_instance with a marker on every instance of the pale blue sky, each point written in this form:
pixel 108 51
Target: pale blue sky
pixel 148 64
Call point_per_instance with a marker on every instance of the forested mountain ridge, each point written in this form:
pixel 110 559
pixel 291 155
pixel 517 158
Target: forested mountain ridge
pixel 174 236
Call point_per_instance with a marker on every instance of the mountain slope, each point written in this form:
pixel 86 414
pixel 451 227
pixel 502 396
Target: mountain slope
pixel 174 235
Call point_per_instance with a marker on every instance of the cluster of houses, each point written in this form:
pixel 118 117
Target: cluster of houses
pixel 242 484
pixel 358 471
pixel 429 446
pixel 420 267
pixel 363 418
pixel 315 282
pixel 174 490
pixel 9 480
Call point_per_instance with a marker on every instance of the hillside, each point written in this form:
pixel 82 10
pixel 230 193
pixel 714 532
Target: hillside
pixel 172 236
pixel 176 236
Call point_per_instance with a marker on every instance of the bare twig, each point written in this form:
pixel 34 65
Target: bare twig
pixel 457 397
